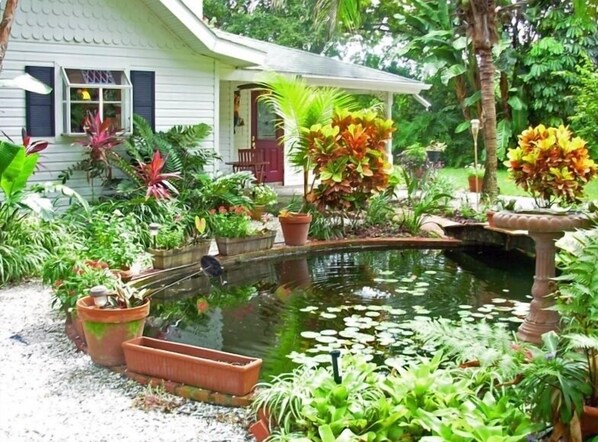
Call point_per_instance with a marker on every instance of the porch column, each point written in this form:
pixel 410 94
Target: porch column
pixel 388 114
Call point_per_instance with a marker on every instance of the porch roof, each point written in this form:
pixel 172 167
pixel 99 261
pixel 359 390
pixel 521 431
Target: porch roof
pixel 322 70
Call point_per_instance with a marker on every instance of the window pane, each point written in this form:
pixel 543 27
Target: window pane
pixel 266 122
pixel 96 76
pixel 114 113
pixel 78 114
pixel 85 94
pixel 112 95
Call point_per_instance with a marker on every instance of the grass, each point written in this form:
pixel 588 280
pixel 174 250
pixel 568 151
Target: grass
pixel 505 185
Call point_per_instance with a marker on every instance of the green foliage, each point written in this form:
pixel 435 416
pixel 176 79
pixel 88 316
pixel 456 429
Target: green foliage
pixel 270 21
pixel 585 119
pixel 180 146
pixel 380 211
pixel 263 195
pixel 551 61
pixel 230 225
pixel 170 237
pixel 415 402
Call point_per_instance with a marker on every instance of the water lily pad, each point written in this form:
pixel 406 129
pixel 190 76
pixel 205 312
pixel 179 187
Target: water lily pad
pixel 389 280
pixel 477 315
pixel 430 272
pixel 327 315
pixel 397 311
pixel 360 307
pixel 325 339
pixel 374 307
pixel 358 346
pixel 364 338
pixel 311 308
pixel 465 306
pixel 309 335
pixel 422 284
pixel 372 314
pixel 386 272
pixel 506 290
pixel 334 309
pixel 328 332
pixel 322 359
pixel 499 300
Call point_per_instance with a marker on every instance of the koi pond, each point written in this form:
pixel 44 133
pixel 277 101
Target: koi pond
pixel 287 311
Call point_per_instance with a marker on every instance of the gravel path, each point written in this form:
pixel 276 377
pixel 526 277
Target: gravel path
pixel 51 392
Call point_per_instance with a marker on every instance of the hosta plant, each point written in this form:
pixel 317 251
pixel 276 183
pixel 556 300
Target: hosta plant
pixel 551 165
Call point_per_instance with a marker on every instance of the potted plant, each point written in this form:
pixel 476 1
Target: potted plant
pixel 262 196
pixel 300 107
pixel 553 167
pixel 173 247
pixel 413 159
pixel 235 234
pixel 111 315
pixel 475 178
pixel 433 151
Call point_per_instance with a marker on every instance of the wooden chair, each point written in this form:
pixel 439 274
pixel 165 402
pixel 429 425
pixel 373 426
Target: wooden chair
pixel 248 159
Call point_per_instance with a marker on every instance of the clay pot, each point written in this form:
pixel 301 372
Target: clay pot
pixel 106 329
pixel 589 421
pixel 190 365
pixel 295 227
pixel 257 212
pixel 472 183
pixel 260 431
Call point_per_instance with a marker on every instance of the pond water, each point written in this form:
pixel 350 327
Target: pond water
pixel 291 310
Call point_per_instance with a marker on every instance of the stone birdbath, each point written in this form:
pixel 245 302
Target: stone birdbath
pixel 545 229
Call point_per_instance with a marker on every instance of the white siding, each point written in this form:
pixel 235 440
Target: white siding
pixel 225 142
pixel 105 34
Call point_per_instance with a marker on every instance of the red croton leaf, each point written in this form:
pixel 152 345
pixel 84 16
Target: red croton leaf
pixel 157 182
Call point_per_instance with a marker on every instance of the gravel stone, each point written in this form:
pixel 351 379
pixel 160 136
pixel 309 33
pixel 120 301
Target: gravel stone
pixel 51 392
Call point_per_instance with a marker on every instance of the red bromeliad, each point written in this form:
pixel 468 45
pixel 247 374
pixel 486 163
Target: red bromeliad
pixel 32 147
pixel 157 182
pixel 102 136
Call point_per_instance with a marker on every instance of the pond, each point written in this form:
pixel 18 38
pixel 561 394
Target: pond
pixel 290 310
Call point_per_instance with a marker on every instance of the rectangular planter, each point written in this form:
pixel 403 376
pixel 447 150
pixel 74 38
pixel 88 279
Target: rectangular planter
pixel 236 246
pixel 168 259
pixel 200 367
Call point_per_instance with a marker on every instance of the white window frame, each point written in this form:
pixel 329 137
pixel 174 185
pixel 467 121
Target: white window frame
pixel 126 101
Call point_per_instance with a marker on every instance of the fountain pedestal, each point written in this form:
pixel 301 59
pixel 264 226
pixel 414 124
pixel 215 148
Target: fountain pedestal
pixel 544 229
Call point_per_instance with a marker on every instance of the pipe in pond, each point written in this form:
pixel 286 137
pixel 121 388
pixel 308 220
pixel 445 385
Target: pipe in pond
pixel 209 266
pixel 335 354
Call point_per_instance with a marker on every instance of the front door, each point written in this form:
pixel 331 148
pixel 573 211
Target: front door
pixel 265 136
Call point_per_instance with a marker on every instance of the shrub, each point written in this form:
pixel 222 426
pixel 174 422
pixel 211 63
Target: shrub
pixel 551 165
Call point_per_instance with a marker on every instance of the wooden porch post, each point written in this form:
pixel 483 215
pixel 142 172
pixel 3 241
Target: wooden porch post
pixel 388 114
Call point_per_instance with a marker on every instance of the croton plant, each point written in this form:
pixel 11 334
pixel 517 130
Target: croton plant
pixel 349 157
pixel 551 165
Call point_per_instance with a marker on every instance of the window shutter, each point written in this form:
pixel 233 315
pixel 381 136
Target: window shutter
pixel 39 109
pixel 144 95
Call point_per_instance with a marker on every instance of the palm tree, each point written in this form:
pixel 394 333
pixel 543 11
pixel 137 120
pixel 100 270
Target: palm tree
pixel 5 25
pixel 480 17
pixel 300 106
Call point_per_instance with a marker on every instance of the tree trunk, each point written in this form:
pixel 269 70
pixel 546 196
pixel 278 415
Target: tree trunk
pixel 487 69
pixel 5 26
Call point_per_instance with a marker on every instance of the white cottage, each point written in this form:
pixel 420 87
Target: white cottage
pixel 159 59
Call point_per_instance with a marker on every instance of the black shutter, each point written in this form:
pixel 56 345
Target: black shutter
pixel 144 95
pixel 39 109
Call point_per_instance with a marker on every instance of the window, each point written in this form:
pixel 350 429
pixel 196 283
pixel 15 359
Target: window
pixel 96 90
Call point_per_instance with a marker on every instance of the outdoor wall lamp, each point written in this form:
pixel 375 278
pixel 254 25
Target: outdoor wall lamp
pixel 99 294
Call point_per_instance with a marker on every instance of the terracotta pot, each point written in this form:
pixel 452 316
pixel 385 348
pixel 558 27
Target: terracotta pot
pixel 187 364
pixel 106 329
pixel 260 431
pixel 168 259
pixel 471 179
pixel 295 228
pixel 237 246
pixel 257 212
pixel 589 421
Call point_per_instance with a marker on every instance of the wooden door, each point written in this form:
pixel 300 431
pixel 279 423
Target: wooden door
pixel 266 137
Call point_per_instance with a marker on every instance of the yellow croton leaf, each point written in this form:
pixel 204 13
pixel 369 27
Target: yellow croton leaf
pixel 530 158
